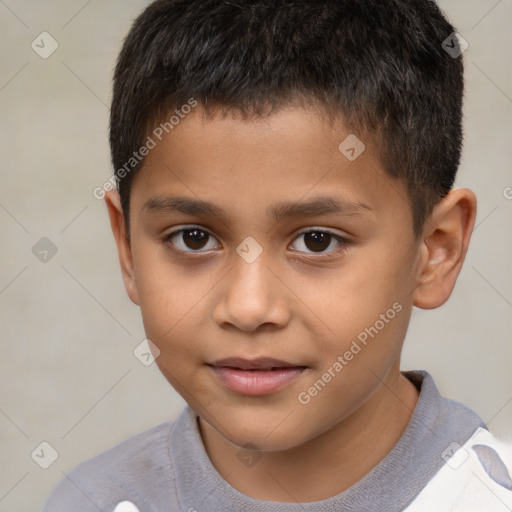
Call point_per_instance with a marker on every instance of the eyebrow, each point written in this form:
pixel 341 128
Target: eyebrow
pixel 322 205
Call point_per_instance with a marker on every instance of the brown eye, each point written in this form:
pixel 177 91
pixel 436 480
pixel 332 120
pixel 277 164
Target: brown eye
pixel 195 238
pixel 190 240
pixel 317 241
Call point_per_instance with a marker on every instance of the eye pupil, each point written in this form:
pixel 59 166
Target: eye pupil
pixel 195 238
pixel 320 241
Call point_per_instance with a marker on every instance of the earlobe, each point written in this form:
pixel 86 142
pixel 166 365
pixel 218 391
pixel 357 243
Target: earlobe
pixel 118 225
pixel 443 248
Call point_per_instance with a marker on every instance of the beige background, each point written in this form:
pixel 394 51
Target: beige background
pixel 69 376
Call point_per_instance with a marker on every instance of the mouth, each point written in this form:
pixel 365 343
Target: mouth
pixel 257 376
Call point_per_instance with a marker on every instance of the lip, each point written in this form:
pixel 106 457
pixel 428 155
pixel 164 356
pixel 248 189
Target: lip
pixel 260 363
pixel 254 377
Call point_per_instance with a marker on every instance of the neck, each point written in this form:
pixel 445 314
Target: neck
pixel 328 464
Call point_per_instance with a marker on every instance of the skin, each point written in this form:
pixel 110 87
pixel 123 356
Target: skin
pixel 295 302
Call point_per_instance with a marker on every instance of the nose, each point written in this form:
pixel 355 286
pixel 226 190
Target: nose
pixel 252 295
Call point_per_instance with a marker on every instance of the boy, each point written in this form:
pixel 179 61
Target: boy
pixel 243 134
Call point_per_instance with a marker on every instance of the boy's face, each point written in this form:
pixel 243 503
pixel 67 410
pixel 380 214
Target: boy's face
pixel 305 299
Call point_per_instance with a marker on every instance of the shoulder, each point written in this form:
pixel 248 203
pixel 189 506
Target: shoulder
pixel 476 476
pixel 138 469
pixel 464 467
pixel 445 419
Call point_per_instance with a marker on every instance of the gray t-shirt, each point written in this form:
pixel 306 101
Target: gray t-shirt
pixel 166 468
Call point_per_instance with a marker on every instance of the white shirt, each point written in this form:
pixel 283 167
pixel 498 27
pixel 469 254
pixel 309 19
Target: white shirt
pixel 476 478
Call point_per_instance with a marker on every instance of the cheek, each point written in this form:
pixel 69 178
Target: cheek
pixel 358 293
pixel 164 291
pixel 366 307
pixel 167 299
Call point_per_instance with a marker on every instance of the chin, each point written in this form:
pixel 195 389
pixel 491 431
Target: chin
pixel 262 443
pixel 262 435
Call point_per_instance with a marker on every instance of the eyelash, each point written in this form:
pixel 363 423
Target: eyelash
pixel 344 242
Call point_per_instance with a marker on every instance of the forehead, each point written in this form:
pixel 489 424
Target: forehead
pixel 226 164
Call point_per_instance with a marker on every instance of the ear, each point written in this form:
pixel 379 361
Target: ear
pixel 443 247
pixel 118 224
